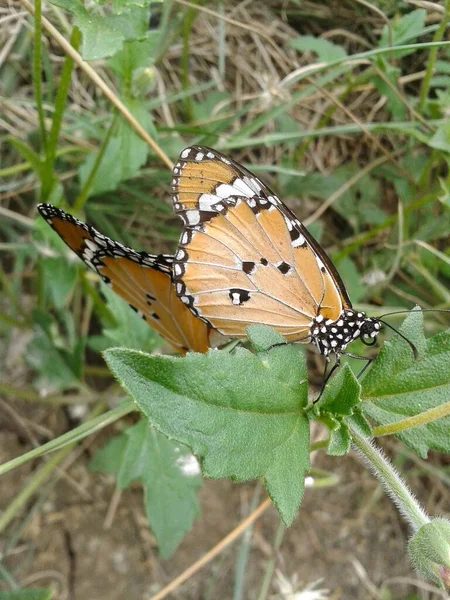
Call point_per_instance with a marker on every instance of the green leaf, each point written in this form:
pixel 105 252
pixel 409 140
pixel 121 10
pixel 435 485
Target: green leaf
pixel 399 386
pixel 441 138
pixel 169 474
pixel 405 30
pixel 395 105
pixel 124 155
pixel 56 351
pixel 326 51
pixel 27 594
pixel 339 401
pixel 241 414
pixel 135 55
pixel 103 34
pixel 130 331
pixel 59 278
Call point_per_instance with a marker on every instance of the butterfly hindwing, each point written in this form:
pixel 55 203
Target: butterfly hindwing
pixel 244 257
pixel 143 280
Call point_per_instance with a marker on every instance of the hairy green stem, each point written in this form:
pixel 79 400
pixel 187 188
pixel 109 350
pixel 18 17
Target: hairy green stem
pixel 391 481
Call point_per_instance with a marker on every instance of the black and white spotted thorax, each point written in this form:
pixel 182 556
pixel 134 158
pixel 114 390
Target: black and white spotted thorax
pixel 334 336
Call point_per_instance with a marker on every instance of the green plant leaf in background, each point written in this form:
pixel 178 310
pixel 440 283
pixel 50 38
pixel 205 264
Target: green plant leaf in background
pixel 56 355
pixel 130 331
pixel 399 386
pixel 441 138
pixel 126 151
pixel 240 413
pixel 405 30
pixel 104 34
pixel 27 594
pixel 326 51
pixel 168 472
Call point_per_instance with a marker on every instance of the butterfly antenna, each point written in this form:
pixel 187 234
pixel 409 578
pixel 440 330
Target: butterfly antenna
pixel 412 346
pixel 402 312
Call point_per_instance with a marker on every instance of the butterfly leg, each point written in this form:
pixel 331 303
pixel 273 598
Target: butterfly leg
pixel 368 362
pixel 326 376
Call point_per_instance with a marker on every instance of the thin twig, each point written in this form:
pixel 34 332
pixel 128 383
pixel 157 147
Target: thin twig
pixel 206 558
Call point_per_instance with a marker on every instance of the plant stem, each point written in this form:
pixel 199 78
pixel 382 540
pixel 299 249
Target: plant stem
pixel 84 193
pixel 390 479
pixel 60 104
pixel 37 70
pixel 438 35
pixel 427 416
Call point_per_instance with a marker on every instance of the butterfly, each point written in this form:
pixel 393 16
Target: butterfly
pixel 244 258
pixel 143 280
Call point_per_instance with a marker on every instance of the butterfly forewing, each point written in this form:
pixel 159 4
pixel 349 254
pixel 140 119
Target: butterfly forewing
pixel 143 280
pixel 243 257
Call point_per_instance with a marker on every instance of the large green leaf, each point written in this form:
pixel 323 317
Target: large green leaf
pixel 240 413
pixel 103 34
pixel 399 386
pixel 169 474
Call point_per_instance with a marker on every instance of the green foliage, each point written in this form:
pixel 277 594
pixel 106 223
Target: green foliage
pixel 104 35
pixel 325 50
pixel 55 352
pixel 128 329
pixel 398 385
pixel 405 30
pixel 241 414
pixel 429 551
pixel 169 475
pixel 338 404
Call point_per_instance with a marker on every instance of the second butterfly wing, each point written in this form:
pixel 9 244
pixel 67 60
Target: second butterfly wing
pixel 143 280
pixel 243 257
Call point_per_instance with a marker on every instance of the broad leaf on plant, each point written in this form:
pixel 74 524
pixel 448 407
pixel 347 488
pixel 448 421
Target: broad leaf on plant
pixel 399 386
pixel 240 413
pixel 338 404
pixel 168 472
pixel 103 34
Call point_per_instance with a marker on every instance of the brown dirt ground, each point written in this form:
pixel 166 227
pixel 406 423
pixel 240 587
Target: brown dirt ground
pixel 350 535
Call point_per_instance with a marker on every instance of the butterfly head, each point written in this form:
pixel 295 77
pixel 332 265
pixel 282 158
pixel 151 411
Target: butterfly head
pixel 334 336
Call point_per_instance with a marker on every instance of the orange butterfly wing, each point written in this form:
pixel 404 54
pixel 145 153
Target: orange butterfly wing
pixel 143 280
pixel 244 257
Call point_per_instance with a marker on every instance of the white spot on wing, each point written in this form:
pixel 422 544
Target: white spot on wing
pixel 206 201
pixel 185 153
pixel 300 241
pixel 193 217
pixel 199 156
pixel 243 188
